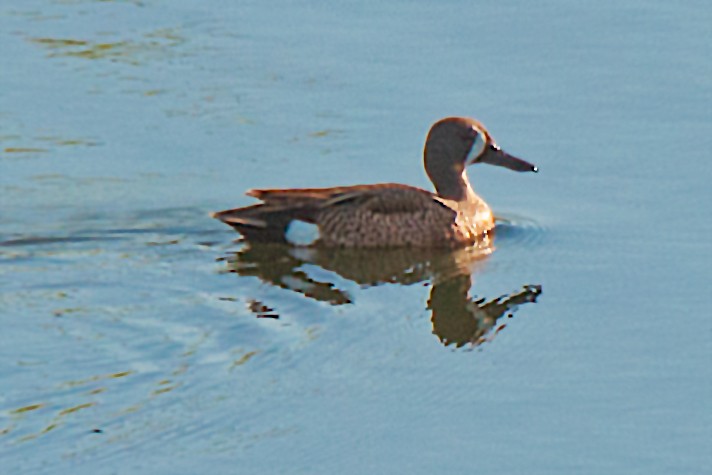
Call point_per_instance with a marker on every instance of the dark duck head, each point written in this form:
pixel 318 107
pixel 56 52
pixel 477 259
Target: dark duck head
pixel 455 142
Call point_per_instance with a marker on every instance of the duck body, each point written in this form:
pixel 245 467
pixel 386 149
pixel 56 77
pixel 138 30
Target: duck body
pixel 389 214
pixel 383 215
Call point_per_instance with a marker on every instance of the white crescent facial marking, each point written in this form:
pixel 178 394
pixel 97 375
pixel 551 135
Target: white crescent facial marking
pixel 478 146
pixel 300 233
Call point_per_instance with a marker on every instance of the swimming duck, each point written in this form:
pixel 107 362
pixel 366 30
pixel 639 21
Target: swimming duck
pixel 388 214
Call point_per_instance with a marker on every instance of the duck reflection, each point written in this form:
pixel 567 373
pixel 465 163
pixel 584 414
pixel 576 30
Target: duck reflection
pixel 458 319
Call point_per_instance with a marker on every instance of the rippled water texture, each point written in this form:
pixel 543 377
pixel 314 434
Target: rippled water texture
pixel 139 337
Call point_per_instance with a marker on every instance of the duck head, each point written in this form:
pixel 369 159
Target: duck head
pixel 455 142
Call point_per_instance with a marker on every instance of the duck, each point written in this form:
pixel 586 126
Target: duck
pixel 387 215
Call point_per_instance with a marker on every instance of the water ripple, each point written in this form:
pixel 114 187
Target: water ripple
pixel 518 231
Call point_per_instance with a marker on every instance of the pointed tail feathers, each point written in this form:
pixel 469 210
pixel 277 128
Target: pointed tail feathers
pixel 263 222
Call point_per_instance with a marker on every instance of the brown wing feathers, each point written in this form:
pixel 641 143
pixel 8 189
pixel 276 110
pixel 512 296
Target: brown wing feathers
pixel 268 221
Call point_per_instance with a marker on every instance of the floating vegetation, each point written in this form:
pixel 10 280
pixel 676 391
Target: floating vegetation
pixel 25 150
pixel 65 311
pixel 167 386
pixel 320 133
pixel 120 374
pixel 56 43
pixel 79 407
pixel 92 379
pixel 75 143
pixel 30 146
pixel 31 407
pixel 53 424
pixel 243 359
pixel 133 51
pixel 163 243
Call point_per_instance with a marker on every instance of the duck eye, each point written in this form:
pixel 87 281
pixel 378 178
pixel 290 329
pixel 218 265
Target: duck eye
pixel 495 147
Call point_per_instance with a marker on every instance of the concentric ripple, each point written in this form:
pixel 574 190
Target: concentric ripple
pixel 512 230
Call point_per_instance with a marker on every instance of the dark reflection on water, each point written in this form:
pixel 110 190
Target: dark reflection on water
pixel 39 240
pixel 457 317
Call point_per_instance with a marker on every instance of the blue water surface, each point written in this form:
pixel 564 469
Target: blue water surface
pixel 134 340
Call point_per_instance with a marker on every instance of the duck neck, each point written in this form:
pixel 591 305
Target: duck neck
pixel 454 187
pixel 445 166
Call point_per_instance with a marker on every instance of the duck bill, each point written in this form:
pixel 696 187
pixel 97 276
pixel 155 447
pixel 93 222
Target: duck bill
pixel 497 156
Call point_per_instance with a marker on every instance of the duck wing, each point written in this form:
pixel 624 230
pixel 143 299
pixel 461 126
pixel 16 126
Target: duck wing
pixel 268 221
pixel 385 198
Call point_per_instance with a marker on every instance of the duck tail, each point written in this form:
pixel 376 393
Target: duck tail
pixel 261 222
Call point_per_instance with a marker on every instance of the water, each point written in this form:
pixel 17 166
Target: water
pixel 136 340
